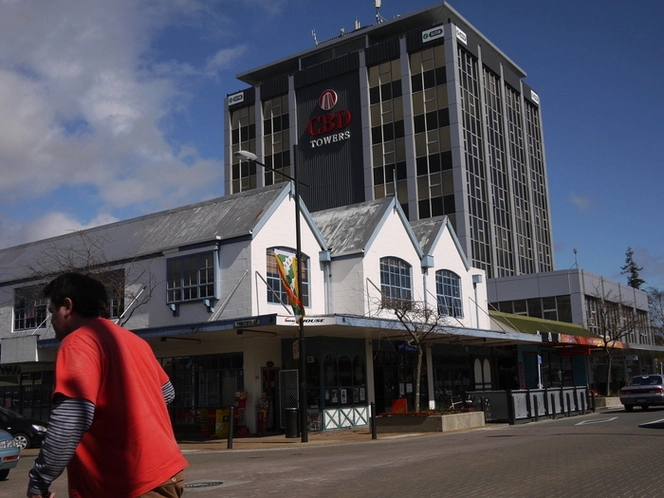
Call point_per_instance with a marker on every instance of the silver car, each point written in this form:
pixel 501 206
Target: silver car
pixel 644 391
pixel 9 454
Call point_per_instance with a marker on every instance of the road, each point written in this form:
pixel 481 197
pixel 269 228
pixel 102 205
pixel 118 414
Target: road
pixel 606 454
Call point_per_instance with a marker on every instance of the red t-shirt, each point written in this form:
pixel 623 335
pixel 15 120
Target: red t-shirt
pixel 130 447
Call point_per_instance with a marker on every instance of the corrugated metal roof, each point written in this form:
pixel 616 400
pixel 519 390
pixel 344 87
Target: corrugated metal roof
pixel 348 229
pixel 427 230
pixel 220 219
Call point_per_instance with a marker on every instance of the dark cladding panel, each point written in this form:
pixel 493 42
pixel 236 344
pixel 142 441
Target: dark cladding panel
pixel 327 70
pixel 415 41
pixel 382 52
pixel 330 143
pixel 247 97
pixel 274 87
pixel 512 79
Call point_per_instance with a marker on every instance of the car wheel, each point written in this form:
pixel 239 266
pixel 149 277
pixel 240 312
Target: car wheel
pixel 4 474
pixel 629 408
pixel 22 440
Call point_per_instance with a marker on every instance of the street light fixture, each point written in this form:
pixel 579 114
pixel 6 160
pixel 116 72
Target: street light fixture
pixel 250 156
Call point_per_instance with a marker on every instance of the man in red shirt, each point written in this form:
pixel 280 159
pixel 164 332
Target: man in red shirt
pixel 109 425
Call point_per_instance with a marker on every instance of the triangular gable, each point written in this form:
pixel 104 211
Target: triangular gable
pixel 386 213
pixel 440 226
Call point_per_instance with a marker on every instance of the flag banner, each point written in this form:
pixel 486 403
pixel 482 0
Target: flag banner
pixel 287 264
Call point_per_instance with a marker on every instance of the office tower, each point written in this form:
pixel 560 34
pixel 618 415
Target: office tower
pixel 422 107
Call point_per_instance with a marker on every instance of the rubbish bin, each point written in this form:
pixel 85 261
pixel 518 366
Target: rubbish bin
pixel 292 425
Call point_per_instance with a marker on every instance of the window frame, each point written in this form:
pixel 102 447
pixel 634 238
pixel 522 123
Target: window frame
pixel 448 294
pixel 202 288
pixel 396 282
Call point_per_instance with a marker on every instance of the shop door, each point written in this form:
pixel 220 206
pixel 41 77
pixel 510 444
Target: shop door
pixel 270 388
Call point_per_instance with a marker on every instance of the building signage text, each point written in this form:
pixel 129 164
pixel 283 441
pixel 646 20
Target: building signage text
pixel 432 34
pixel 236 98
pixel 329 128
pixel 461 36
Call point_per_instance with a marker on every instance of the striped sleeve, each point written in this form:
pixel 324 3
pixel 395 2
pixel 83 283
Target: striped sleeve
pixel 168 391
pixel 69 420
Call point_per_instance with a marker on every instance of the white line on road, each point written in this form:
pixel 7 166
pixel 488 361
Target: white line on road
pixel 596 421
pixel 653 422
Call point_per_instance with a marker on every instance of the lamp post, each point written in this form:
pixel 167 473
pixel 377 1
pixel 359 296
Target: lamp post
pixel 250 156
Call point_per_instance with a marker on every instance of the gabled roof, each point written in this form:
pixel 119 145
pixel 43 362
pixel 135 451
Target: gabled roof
pixel 351 229
pixel 223 218
pixel 429 231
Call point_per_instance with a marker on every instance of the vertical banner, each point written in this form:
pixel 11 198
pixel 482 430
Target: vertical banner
pixel 287 264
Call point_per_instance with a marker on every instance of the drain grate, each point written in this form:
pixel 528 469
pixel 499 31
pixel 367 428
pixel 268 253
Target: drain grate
pixel 208 484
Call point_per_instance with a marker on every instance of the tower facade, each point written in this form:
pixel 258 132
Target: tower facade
pixel 423 108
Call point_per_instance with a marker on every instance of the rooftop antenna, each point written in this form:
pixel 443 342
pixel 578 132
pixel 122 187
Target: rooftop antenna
pixel 379 18
pixel 576 261
pixel 313 33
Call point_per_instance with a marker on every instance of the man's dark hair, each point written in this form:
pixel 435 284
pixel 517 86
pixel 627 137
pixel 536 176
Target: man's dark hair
pixel 87 294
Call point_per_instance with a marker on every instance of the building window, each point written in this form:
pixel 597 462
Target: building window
pixel 395 283
pixel 448 292
pixel 276 292
pixel 190 278
pixel 29 307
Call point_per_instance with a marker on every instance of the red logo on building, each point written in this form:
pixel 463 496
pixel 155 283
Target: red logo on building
pixel 328 99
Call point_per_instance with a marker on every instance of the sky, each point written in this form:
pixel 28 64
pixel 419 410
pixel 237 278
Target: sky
pixel 114 109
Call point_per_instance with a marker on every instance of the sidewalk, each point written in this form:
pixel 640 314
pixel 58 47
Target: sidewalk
pixel 341 436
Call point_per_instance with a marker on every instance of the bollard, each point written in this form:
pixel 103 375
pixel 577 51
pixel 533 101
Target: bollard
pixel 231 429
pixel 592 400
pixel 373 421
pixel 553 405
pixel 569 407
pixel 536 408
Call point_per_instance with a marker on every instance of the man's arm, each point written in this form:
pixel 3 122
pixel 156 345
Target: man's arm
pixel 69 420
pixel 168 391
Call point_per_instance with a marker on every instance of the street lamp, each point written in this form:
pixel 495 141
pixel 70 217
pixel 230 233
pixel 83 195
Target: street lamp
pixel 250 156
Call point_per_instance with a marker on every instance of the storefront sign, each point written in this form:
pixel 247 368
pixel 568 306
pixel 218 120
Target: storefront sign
pixel 309 320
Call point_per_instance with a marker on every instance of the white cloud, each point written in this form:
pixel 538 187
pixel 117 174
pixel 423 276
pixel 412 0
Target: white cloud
pixel 49 225
pixel 582 202
pixel 84 103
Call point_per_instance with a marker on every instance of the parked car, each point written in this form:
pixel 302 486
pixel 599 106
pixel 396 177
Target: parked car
pixel 9 454
pixel 644 391
pixel 26 432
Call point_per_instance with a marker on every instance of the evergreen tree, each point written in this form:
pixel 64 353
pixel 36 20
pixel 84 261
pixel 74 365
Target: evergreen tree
pixel 631 269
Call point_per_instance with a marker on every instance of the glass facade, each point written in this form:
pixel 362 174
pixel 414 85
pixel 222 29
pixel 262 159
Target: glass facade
pixel 243 137
pixel 387 132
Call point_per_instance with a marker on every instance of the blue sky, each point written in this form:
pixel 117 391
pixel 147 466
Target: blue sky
pixel 115 109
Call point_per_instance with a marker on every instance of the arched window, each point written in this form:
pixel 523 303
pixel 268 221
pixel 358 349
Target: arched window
pixel 276 291
pixel 448 292
pixel 395 282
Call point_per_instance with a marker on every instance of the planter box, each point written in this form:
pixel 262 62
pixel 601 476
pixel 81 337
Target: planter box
pixel 413 422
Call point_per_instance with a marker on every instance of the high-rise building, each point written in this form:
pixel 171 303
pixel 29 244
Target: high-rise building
pixel 422 107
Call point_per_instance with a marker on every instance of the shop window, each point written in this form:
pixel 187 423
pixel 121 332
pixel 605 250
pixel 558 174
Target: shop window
pixel 448 293
pixel 276 292
pixel 395 283
pixel 190 278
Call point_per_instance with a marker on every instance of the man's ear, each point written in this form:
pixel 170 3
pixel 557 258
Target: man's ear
pixel 68 305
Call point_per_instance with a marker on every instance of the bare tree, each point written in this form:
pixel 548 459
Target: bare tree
pixel 420 322
pixel 613 321
pixel 656 308
pixel 129 282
